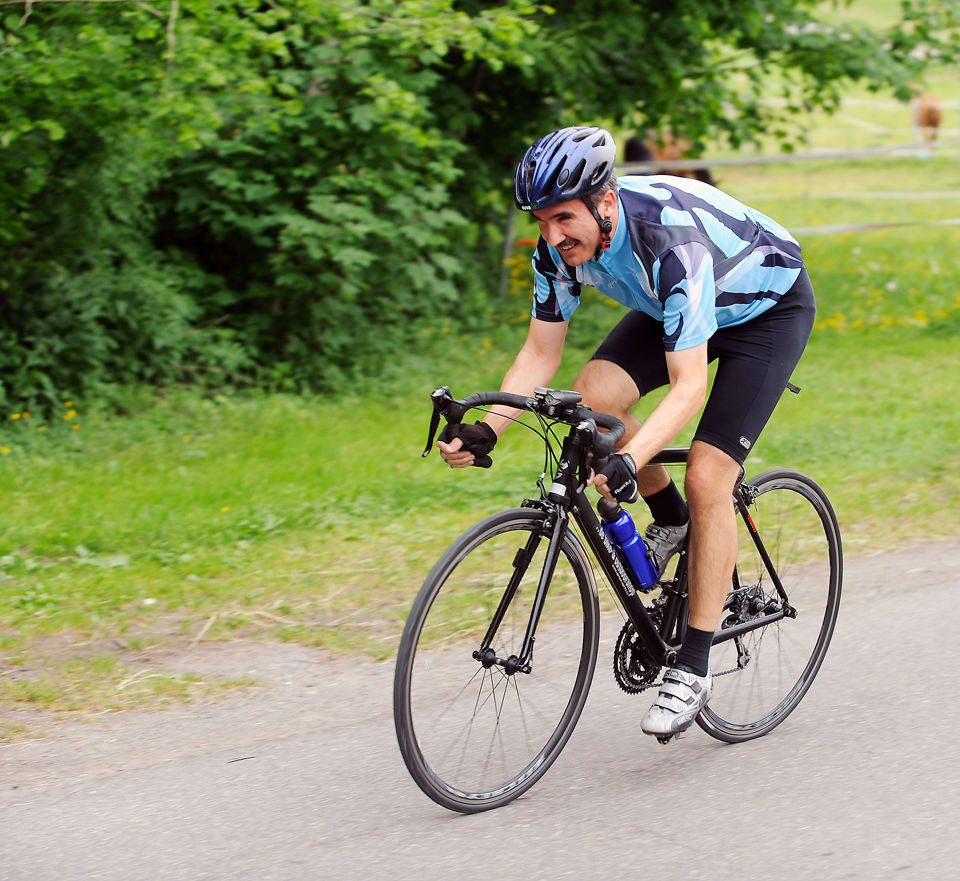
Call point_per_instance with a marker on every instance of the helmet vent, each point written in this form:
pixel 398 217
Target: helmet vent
pixel 601 173
pixel 576 175
pixel 556 149
pixel 550 183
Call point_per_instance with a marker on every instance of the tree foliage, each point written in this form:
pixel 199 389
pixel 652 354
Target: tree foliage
pixel 277 192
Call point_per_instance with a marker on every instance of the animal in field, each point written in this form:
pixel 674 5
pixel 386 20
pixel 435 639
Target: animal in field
pixel 927 115
pixel 664 147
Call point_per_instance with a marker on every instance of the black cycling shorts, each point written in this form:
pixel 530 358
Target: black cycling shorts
pixel 755 361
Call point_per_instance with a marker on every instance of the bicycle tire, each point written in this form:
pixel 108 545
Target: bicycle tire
pixel 761 677
pixel 474 738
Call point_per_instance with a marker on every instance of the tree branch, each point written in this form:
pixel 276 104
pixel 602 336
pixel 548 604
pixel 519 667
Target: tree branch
pixel 171 29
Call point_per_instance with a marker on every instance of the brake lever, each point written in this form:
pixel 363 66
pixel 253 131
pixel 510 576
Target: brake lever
pixel 437 398
pixel 444 404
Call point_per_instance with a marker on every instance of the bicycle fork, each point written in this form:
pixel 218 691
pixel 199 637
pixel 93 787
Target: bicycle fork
pixel 524 662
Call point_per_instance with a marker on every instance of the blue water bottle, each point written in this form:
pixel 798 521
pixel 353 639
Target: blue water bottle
pixel 618 525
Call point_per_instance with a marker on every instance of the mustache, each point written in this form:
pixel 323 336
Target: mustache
pixel 568 243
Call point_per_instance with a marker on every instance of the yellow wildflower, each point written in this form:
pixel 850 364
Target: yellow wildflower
pixel 4 450
pixel 70 414
pixel 15 416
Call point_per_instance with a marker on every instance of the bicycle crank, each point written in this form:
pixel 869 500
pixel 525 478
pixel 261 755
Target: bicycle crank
pixel 634 667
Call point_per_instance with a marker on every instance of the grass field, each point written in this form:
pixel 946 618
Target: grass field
pixel 274 517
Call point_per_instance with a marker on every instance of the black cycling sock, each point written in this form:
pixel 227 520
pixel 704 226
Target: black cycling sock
pixel 667 506
pixel 694 655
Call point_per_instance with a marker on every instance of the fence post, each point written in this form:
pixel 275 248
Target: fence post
pixel 505 254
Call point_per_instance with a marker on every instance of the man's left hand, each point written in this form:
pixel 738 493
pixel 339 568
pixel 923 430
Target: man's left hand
pixel 617 480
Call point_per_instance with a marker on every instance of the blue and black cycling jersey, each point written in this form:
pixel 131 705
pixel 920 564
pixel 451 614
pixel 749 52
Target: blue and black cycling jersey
pixel 685 253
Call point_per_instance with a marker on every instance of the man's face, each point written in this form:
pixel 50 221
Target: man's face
pixel 571 228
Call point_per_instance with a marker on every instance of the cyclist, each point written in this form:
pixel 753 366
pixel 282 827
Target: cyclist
pixel 705 278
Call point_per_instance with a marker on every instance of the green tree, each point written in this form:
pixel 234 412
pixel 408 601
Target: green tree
pixel 278 192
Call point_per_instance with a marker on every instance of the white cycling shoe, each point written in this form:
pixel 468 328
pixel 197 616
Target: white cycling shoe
pixel 682 696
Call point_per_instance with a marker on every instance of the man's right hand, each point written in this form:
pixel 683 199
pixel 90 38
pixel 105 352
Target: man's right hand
pixel 464 445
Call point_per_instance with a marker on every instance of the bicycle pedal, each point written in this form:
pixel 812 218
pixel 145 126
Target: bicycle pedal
pixel 666 738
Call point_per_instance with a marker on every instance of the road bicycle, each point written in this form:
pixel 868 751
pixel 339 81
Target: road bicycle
pixel 499 650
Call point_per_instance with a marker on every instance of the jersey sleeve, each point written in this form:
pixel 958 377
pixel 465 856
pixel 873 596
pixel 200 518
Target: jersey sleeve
pixel 686 288
pixel 556 292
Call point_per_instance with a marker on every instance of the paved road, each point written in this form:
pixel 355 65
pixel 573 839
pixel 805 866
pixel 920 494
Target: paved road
pixel 303 780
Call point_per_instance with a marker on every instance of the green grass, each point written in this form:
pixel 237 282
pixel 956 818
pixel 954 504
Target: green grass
pixel 283 518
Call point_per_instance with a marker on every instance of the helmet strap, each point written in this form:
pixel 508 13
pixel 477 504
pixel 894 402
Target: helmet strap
pixel 606 227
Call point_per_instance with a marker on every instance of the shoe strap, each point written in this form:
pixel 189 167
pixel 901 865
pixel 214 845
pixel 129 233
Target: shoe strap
pixel 655 530
pixel 675 674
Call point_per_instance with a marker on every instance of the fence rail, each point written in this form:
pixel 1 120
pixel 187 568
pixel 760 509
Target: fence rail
pixel 781 158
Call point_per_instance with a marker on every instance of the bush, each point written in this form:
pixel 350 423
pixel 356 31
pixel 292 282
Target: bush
pixel 233 192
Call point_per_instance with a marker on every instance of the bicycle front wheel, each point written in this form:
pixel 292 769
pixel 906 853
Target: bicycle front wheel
pixel 474 737
pixel 761 676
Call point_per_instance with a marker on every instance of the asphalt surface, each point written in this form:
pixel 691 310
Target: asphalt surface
pixel 302 779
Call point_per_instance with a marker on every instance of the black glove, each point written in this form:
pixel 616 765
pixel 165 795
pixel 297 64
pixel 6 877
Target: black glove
pixel 478 439
pixel 621 474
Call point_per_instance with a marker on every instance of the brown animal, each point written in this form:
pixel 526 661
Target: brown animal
pixel 927 113
pixel 664 148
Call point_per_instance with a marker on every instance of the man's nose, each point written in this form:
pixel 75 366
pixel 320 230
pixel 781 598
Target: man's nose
pixel 553 234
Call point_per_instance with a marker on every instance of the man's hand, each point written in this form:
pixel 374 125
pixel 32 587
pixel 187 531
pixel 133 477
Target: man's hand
pixel 464 445
pixel 617 480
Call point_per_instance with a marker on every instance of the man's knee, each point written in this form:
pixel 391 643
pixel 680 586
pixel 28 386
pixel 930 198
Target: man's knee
pixel 711 475
pixel 606 387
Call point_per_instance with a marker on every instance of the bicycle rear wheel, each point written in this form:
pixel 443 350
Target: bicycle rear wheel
pixel 761 676
pixel 476 737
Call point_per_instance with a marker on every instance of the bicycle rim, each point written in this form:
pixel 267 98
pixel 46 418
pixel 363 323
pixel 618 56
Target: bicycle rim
pixel 475 738
pixel 760 677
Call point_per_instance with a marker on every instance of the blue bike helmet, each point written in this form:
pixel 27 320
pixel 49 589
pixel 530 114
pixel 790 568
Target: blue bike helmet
pixel 563 165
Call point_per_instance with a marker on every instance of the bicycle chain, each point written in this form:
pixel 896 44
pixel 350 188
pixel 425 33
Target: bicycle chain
pixel 740 615
pixel 634 668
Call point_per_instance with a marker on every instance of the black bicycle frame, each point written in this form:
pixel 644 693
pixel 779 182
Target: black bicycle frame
pixel 567 497
pixel 612 565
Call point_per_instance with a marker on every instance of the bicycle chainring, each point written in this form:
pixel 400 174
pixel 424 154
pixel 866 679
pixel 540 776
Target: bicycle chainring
pixel 634 667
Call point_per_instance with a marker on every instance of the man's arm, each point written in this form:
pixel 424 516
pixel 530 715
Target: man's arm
pixel 535 365
pixel 688 391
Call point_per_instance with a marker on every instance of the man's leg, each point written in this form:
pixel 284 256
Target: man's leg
pixel 608 388
pixel 711 479
pixel 712 553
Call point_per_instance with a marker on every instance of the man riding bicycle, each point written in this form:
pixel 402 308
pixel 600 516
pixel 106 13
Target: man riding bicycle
pixel 706 278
